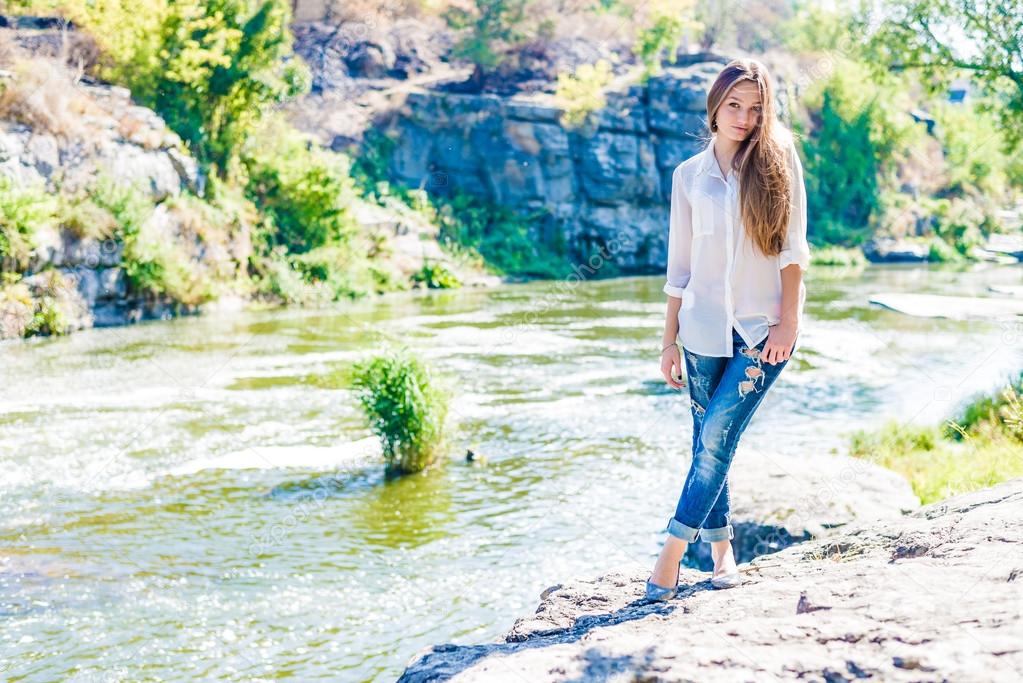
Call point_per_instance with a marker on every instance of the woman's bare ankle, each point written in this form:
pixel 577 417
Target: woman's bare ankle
pixel 672 551
pixel 723 555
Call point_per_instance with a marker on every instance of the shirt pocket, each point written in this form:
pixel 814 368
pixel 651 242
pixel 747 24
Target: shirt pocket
pixel 704 213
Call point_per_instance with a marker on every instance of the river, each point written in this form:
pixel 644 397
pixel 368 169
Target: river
pixel 178 500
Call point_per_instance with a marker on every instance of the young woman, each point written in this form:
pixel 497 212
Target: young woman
pixel 737 251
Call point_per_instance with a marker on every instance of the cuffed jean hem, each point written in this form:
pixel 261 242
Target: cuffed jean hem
pixel 721 534
pixel 683 531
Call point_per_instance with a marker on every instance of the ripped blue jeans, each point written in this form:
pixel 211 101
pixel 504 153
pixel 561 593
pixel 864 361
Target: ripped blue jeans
pixel 724 392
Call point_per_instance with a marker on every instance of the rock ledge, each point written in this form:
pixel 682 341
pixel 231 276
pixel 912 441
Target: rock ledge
pixel 935 595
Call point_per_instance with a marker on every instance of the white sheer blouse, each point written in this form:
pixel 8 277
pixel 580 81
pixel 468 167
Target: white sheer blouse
pixel 724 281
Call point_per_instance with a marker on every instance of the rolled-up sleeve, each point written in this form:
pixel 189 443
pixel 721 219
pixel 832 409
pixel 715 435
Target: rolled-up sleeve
pixel 795 248
pixel 680 237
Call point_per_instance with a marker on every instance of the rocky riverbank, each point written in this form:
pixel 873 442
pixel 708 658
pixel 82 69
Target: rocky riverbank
pixel 932 595
pixel 62 134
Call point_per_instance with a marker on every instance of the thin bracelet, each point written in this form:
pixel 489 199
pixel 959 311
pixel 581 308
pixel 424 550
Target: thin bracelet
pixel 667 347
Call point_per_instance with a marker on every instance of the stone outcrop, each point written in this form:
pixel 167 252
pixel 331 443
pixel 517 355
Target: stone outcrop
pixel 934 595
pixel 603 186
pixel 124 143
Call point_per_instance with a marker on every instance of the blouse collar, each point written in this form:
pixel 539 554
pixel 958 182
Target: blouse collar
pixel 710 164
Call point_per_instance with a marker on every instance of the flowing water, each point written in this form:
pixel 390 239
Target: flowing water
pixel 182 500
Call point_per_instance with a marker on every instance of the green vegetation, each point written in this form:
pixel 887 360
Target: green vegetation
pixel 662 34
pixel 973 145
pixel 985 46
pixel 491 29
pixel 215 71
pixel 858 134
pixel 154 261
pixel 837 256
pixel 473 230
pixel 436 276
pixel 23 211
pixel 871 169
pixel 276 209
pixel 211 68
pixel 959 224
pixel 991 416
pixel 303 191
pixel 47 307
pixel 406 408
pixel 498 234
pixel 309 247
pixel 981 447
pixel 582 93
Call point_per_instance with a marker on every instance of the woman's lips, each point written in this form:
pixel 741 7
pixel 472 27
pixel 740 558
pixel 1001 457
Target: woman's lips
pixel 741 130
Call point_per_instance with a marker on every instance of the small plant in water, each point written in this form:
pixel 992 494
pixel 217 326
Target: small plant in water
pixel 405 406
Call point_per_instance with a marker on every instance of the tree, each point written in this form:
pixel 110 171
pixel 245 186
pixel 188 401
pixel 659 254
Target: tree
pixel 662 25
pixel 211 68
pixel 946 39
pixel 492 29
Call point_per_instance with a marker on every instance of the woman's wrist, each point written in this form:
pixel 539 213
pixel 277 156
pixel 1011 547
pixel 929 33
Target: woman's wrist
pixel 668 347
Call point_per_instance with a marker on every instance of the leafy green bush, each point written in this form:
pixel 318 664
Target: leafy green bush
pixel 663 34
pixel 275 279
pixel 489 32
pixel 960 223
pixel 304 191
pixel 48 318
pixel 841 172
pixel 436 276
pixel 125 202
pixel 941 251
pixel 405 407
pixel 342 270
pixel 210 68
pixel 307 227
pixel 973 145
pixel 582 93
pixel 858 136
pixel 369 168
pixel 23 211
pixel 152 264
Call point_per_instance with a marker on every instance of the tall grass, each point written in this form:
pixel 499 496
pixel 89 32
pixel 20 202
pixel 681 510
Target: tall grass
pixel 980 447
pixel 406 408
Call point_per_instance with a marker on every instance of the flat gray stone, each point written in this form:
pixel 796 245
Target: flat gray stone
pixel 940 306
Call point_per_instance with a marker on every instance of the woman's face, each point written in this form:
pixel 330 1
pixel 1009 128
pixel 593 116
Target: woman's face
pixel 739 113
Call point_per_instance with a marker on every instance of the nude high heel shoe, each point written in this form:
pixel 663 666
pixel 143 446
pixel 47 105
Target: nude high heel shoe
pixel 655 592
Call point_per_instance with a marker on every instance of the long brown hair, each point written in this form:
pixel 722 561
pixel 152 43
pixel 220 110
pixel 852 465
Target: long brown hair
pixel 765 188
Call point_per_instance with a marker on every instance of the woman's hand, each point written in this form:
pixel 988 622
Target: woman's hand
pixel 671 363
pixel 780 339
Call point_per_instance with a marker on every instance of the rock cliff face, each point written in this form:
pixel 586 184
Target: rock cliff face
pixel 933 595
pixel 602 186
pixel 127 144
